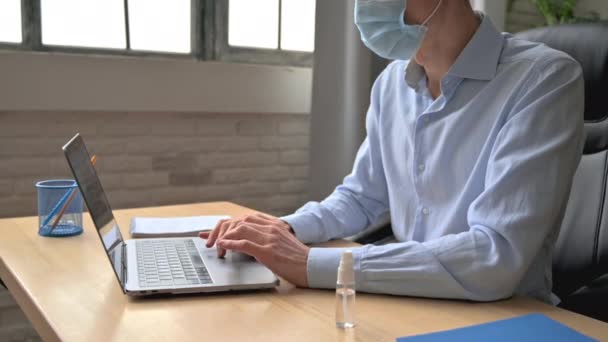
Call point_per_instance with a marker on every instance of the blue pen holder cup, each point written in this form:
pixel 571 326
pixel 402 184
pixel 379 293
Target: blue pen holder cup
pixel 52 197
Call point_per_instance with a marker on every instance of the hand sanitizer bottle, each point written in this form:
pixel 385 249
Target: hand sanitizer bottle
pixel 345 292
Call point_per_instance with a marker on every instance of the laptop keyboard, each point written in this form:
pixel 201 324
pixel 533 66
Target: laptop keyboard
pixel 170 262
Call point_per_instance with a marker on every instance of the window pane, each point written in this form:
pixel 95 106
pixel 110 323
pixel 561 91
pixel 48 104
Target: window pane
pixel 10 21
pixel 253 23
pixel 160 25
pixel 87 23
pixel 298 25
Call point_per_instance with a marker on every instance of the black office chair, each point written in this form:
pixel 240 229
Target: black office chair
pixel 580 261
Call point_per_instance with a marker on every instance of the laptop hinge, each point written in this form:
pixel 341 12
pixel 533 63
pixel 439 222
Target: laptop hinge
pixel 124 265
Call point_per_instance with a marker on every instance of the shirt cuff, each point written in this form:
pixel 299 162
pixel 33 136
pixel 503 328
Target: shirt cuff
pixel 322 268
pixel 305 227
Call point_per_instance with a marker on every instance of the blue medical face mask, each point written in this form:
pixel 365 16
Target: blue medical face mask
pixel 384 31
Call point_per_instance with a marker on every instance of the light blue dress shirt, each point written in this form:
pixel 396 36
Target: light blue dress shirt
pixel 475 181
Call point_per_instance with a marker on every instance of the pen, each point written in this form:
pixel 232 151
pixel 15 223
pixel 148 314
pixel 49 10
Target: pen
pixel 69 200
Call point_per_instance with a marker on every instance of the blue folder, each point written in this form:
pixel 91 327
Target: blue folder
pixel 532 327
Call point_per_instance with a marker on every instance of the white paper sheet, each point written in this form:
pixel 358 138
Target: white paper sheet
pixel 173 226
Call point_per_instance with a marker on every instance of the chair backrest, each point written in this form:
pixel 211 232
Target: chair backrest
pixel 581 251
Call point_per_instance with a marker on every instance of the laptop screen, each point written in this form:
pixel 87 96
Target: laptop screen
pixel 90 187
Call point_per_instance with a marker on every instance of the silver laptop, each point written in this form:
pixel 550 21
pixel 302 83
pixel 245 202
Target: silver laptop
pixel 163 265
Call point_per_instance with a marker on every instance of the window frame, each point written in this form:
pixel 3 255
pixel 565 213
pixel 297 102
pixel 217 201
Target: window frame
pixel 225 52
pixel 209 39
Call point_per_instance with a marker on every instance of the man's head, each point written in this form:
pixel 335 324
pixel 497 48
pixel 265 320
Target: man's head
pixel 384 29
pixel 395 29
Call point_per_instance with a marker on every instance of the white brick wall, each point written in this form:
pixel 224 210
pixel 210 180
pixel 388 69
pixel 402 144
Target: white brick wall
pixel 260 161
pixel 144 159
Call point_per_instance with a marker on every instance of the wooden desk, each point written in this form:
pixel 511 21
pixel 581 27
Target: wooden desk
pixel 69 292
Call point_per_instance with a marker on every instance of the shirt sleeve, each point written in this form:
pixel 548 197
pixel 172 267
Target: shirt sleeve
pixel 528 180
pixel 360 201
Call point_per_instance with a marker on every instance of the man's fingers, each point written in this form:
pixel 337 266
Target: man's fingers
pixel 216 231
pixel 247 231
pixel 226 228
pixel 211 236
pixel 256 225
pixel 220 223
pixel 243 246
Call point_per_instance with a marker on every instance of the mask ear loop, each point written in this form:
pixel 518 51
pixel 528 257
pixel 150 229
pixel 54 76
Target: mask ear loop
pixel 432 13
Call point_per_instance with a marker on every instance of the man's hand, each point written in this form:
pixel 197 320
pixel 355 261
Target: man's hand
pixel 269 239
pixel 224 226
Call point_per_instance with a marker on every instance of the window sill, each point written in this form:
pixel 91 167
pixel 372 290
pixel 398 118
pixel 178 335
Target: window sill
pixel 58 81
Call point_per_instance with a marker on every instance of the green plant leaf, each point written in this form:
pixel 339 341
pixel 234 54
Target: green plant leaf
pixel 556 11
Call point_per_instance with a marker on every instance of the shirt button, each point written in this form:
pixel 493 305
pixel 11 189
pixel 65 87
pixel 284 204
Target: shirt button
pixel 426 211
pixel 421 167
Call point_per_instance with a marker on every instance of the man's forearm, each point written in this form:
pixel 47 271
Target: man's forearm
pixel 470 266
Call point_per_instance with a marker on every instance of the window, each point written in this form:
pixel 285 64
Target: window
pixel 89 23
pixel 298 25
pixel 277 31
pixel 156 25
pixel 251 31
pixel 10 21
pixel 253 23
pixel 160 25
pixel 272 24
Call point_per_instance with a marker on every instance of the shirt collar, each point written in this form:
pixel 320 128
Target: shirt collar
pixel 479 59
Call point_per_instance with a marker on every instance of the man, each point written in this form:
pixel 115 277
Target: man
pixel 471 147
